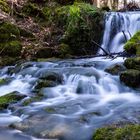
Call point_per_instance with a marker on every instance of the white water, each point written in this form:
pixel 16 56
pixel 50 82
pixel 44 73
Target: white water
pixel 87 92
pixel 117 23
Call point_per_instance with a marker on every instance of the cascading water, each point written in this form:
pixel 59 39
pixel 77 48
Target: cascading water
pixel 88 97
pixel 119 27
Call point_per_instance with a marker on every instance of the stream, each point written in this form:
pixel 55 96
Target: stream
pixel 88 97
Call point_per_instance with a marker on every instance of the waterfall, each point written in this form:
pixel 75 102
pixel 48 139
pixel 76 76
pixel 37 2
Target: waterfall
pixel 119 27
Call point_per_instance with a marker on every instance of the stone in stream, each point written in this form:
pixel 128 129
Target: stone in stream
pixel 131 78
pixel 2 81
pixel 42 126
pixel 132 63
pixel 49 79
pixel 10 98
pixel 115 69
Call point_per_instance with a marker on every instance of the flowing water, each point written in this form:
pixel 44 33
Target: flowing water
pixel 87 99
pixel 119 27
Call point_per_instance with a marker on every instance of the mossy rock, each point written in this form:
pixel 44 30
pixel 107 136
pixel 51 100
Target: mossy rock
pixel 50 110
pixel 45 83
pixel 12 48
pixel 31 100
pixel 4 6
pixel 49 79
pixel 131 78
pixel 52 76
pixel 8 32
pixel 82 23
pixel 9 40
pixel 133 63
pixel 2 81
pixel 10 98
pixel 127 132
pixel 133 45
pixel 115 69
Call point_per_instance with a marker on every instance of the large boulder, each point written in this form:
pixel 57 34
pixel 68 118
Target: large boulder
pixel 133 45
pixel 49 79
pixel 131 78
pixel 115 69
pixel 132 63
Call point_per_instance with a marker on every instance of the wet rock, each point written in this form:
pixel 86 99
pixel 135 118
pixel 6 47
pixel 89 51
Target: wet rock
pixel 132 63
pixel 131 78
pixel 115 69
pixel 2 81
pixel 10 98
pixel 43 126
pixel 5 81
pixel 45 83
pixel 20 66
pixel 48 79
pixel 52 76
pixel 129 132
pixel 132 46
pixel 30 100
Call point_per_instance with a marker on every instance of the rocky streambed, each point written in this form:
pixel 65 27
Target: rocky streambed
pixel 64 99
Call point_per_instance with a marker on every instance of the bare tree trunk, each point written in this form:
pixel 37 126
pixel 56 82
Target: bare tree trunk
pixel 125 3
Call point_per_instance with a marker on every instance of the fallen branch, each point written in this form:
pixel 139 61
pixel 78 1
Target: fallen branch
pixel 106 53
pixel 114 55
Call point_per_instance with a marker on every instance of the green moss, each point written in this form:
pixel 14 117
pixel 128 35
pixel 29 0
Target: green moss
pixel 9 98
pixel 45 83
pixel 8 32
pixel 133 45
pixel 33 10
pixel 50 110
pixel 64 50
pixel 131 78
pixel 31 100
pixel 9 40
pixel 12 48
pixel 4 6
pixel 128 132
pixel 132 63
pixel 2 81
pixel 80 21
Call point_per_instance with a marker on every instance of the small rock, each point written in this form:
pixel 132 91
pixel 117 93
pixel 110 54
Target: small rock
pixel 10 98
